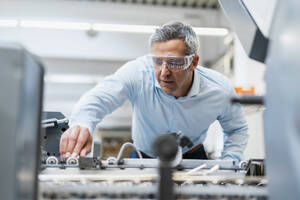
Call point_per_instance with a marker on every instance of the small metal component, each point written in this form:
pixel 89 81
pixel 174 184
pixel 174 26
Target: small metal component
pixel 165 147
pixel 243 164
pixel 111 160
pixel 183 140
pixel 72 161
pixel 255 167
pixel 52 160
pixel 89 163
pixel 97 149
pixel 54 122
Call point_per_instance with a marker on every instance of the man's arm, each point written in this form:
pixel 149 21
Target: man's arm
pixel 235 130
pixel 93 106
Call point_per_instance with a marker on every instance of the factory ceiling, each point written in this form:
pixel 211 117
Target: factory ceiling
pixel 204 4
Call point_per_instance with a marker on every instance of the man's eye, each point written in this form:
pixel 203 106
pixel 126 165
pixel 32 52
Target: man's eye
pixel 176 61
pixel 157 61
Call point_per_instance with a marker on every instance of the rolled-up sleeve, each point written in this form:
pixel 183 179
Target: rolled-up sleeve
pixel 105 97
pixel 235 130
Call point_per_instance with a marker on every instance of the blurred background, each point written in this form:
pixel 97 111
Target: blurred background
pixel 82 41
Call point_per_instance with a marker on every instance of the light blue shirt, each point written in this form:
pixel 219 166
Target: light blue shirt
pixel 155 112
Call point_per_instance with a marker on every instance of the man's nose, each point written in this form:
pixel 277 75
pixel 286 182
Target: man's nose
pixel 164 70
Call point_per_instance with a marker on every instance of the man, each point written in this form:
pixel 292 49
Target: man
pixel 168 93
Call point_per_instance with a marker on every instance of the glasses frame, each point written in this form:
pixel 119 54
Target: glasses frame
pixel 188 60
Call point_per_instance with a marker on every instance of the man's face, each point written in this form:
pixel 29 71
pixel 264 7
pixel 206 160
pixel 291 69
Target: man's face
pixel 176 83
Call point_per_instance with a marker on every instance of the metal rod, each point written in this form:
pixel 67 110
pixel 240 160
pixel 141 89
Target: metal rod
pixel 259 100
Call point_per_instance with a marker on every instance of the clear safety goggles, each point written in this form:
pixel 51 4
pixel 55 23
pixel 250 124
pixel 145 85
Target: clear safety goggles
pixel 173 63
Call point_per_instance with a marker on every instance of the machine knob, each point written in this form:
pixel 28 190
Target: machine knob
pixel 166 147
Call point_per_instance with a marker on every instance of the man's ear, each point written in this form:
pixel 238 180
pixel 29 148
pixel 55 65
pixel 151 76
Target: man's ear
pixel 195 62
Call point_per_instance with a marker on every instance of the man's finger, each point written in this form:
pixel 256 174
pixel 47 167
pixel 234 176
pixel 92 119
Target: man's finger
pixel 63 143
pixel 87 148
pixel 72 138
pixel 81 141
pixel 83 152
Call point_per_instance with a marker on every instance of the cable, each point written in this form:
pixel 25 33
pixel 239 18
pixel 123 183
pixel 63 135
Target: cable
pixel 123 148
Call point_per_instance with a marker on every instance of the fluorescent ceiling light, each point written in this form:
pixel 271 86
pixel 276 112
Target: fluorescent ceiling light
pixel 55 25
pixel 148 29
pixel 8 23
pixel 211 31
pixel 124 28
pixel 73 78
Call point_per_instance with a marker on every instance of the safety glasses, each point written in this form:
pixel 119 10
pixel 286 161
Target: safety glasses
pixel 173 63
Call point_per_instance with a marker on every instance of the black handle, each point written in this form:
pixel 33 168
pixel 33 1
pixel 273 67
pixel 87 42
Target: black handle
pixel 258 100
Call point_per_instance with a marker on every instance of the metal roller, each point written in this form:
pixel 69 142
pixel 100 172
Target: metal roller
pixel 52 160
pixel 72 161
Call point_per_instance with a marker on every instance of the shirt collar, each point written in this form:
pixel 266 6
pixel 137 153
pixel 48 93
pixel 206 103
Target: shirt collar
pixel 194 90
pixel 156 82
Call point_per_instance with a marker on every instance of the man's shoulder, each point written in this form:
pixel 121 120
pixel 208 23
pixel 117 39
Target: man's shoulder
pixel 214 78
pixel 136 67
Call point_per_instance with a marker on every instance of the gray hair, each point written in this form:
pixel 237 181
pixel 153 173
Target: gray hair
pixel 177 30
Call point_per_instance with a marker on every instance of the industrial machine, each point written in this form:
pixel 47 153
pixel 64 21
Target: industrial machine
pixel 27 175
pixel 168 177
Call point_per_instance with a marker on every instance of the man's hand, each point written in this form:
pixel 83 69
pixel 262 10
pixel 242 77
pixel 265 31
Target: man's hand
pixel 75 141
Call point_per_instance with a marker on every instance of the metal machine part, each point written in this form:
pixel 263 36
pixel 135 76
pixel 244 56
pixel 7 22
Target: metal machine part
pixel 250 100
pixel 96 148
pixel 89 163
pixel 135 183
pixel 226 165
pixel 21 81
pixel 72 161
pixel 94 162
pixel 251 37
pixel 182 141
pixel 52 160
pixel 126 178
pixel 255 167
pixel 140 179
pixel 166 148
pixel 55 123
pixel 119 162
pixel 281 119
pixel 148 190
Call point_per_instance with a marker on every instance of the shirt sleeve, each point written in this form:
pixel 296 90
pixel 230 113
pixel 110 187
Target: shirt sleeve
pixel 106 96
pixel 235 130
